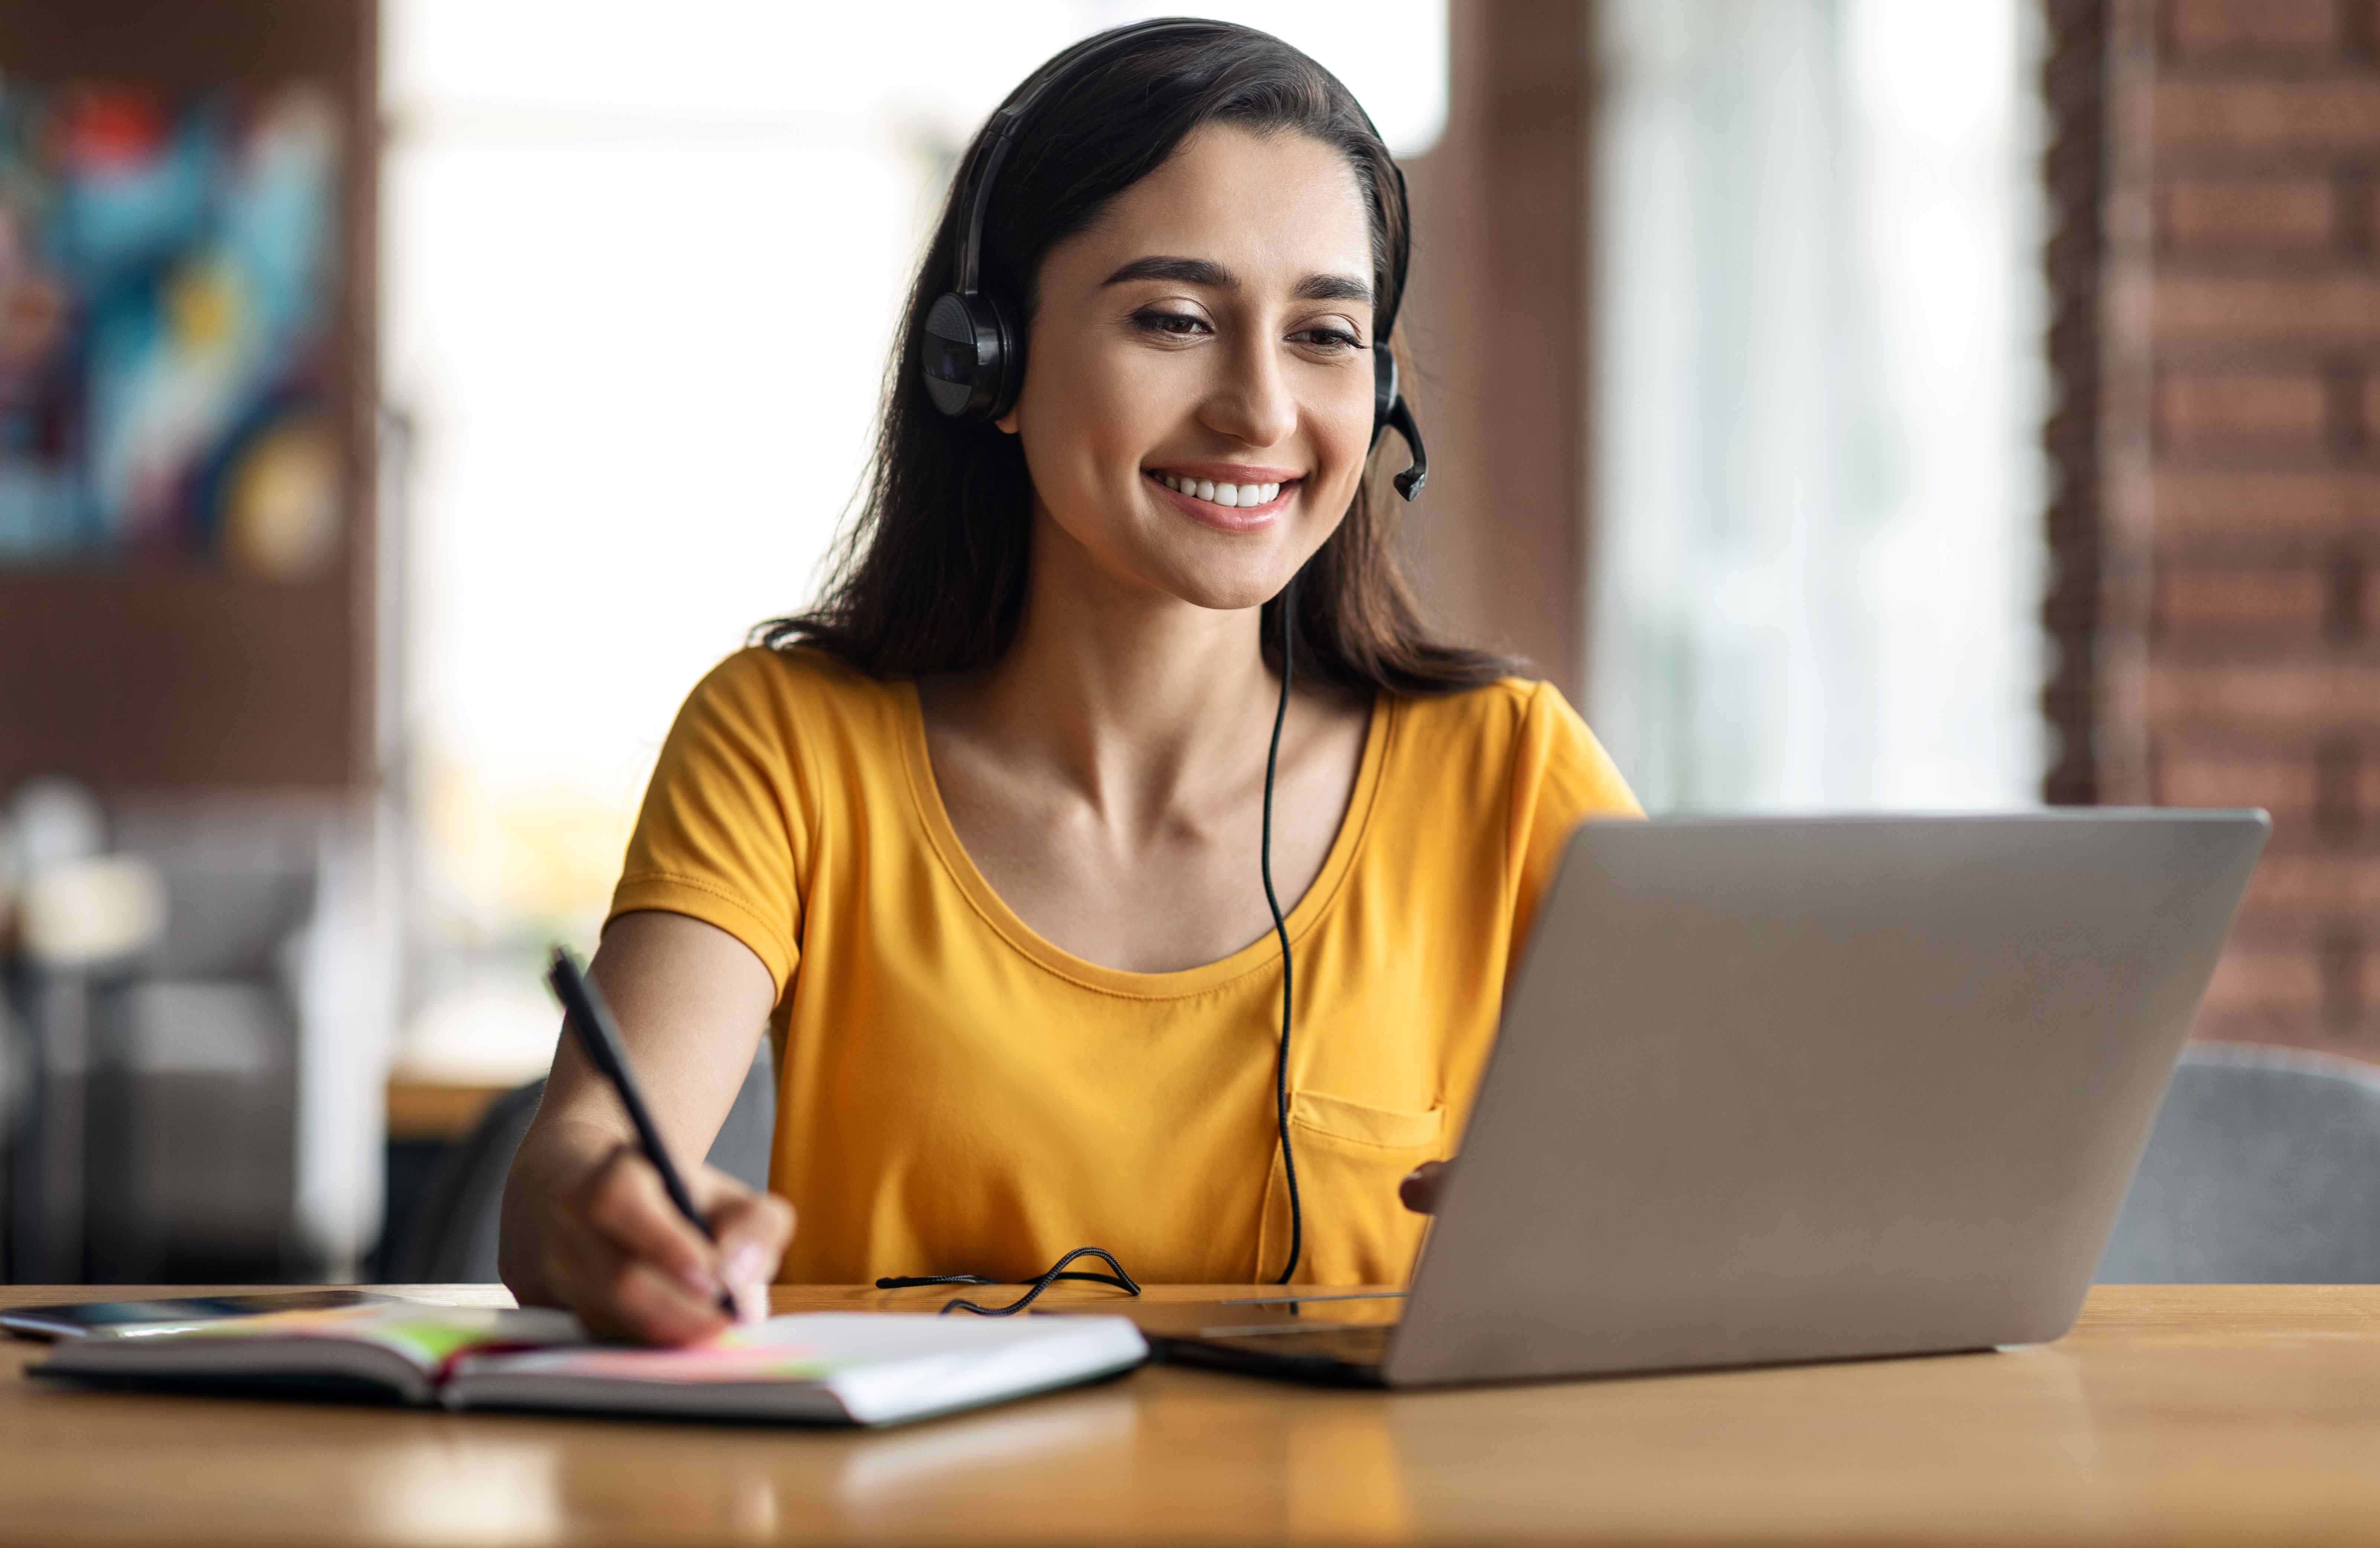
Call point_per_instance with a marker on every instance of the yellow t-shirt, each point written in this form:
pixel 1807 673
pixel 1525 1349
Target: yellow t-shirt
pixel 956 1095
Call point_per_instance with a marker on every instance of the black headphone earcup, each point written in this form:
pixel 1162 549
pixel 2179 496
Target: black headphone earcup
pixel 1009 380
pixel 968 357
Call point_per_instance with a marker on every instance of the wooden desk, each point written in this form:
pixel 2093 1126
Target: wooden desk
pixel 2171 1416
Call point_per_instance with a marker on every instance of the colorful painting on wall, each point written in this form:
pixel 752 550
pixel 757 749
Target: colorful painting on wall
pixel 166 291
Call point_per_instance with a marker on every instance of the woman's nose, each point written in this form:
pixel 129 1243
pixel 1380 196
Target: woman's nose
pixel 1254 404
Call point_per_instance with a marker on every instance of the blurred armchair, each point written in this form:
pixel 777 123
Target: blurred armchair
pixel 2263 1169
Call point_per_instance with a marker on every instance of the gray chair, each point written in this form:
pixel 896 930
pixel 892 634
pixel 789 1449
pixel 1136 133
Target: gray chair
pixel 2263 1169
pixel 453 1238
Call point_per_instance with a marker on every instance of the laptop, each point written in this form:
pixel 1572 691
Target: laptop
pixel 1783 1090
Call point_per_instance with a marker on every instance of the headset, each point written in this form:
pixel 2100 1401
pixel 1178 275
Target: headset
pixel 971 355
pixel 971 351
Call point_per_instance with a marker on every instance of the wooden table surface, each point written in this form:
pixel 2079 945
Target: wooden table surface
pixel 2171 1415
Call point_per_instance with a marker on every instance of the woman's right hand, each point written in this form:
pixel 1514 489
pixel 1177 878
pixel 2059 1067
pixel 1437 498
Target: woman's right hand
pixel 617 1254
pixel 587 1224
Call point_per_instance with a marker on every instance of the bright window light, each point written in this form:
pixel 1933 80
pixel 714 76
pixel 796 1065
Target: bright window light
pixel 1819 482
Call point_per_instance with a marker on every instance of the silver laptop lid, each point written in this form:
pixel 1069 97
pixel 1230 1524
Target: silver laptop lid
pixel 1796 1089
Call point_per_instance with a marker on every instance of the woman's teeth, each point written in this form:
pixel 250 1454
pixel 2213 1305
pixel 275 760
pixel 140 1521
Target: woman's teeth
pixel 1228 495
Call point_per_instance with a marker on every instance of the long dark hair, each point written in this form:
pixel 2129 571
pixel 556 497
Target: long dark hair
pixel 930 577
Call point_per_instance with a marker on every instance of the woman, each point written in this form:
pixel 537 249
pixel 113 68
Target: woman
pixel 978 839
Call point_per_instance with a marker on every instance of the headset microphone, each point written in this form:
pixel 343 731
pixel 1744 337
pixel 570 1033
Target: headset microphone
pixel 1389 412
pixel 971 351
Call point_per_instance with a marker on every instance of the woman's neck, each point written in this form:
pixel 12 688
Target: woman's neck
pixel 1123 694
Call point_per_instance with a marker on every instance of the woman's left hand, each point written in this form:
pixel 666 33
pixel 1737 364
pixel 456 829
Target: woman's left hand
pixel 1419 1189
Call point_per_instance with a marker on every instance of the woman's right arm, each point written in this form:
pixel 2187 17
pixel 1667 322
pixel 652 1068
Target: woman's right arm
pixel 587 1225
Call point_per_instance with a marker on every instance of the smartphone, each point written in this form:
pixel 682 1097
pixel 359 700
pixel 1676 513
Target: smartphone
pixel 81 1319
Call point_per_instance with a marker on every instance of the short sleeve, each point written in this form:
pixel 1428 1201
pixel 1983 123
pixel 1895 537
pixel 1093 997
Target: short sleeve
pixel 725 832
pixel 1561 777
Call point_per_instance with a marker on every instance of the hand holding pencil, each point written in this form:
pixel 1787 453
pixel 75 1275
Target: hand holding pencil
pixel 637 1248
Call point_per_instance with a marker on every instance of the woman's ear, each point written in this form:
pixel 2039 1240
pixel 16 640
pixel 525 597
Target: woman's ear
pixel 1006 423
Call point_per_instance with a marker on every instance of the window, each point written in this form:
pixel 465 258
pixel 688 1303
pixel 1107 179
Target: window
pixel 1819 489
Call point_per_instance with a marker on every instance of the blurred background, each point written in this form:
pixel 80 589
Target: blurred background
pixel 1850 404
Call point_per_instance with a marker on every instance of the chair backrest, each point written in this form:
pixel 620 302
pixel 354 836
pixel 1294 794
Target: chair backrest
pixel 2263 1169
pixel 452 1239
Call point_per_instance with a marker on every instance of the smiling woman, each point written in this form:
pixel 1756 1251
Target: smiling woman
pixel 934 573
pixel 996 841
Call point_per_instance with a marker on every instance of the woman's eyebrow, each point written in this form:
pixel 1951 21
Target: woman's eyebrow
pixel 1332 287
pixel 1181 271
pixel 1210 275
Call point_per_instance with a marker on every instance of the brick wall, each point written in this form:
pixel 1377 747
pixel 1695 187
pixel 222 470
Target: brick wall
pixel 2241 629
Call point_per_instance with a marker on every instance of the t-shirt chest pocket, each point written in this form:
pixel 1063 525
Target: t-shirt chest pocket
pixel 1350 1156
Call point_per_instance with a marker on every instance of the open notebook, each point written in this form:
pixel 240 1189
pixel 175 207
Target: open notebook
pixel 827 1368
